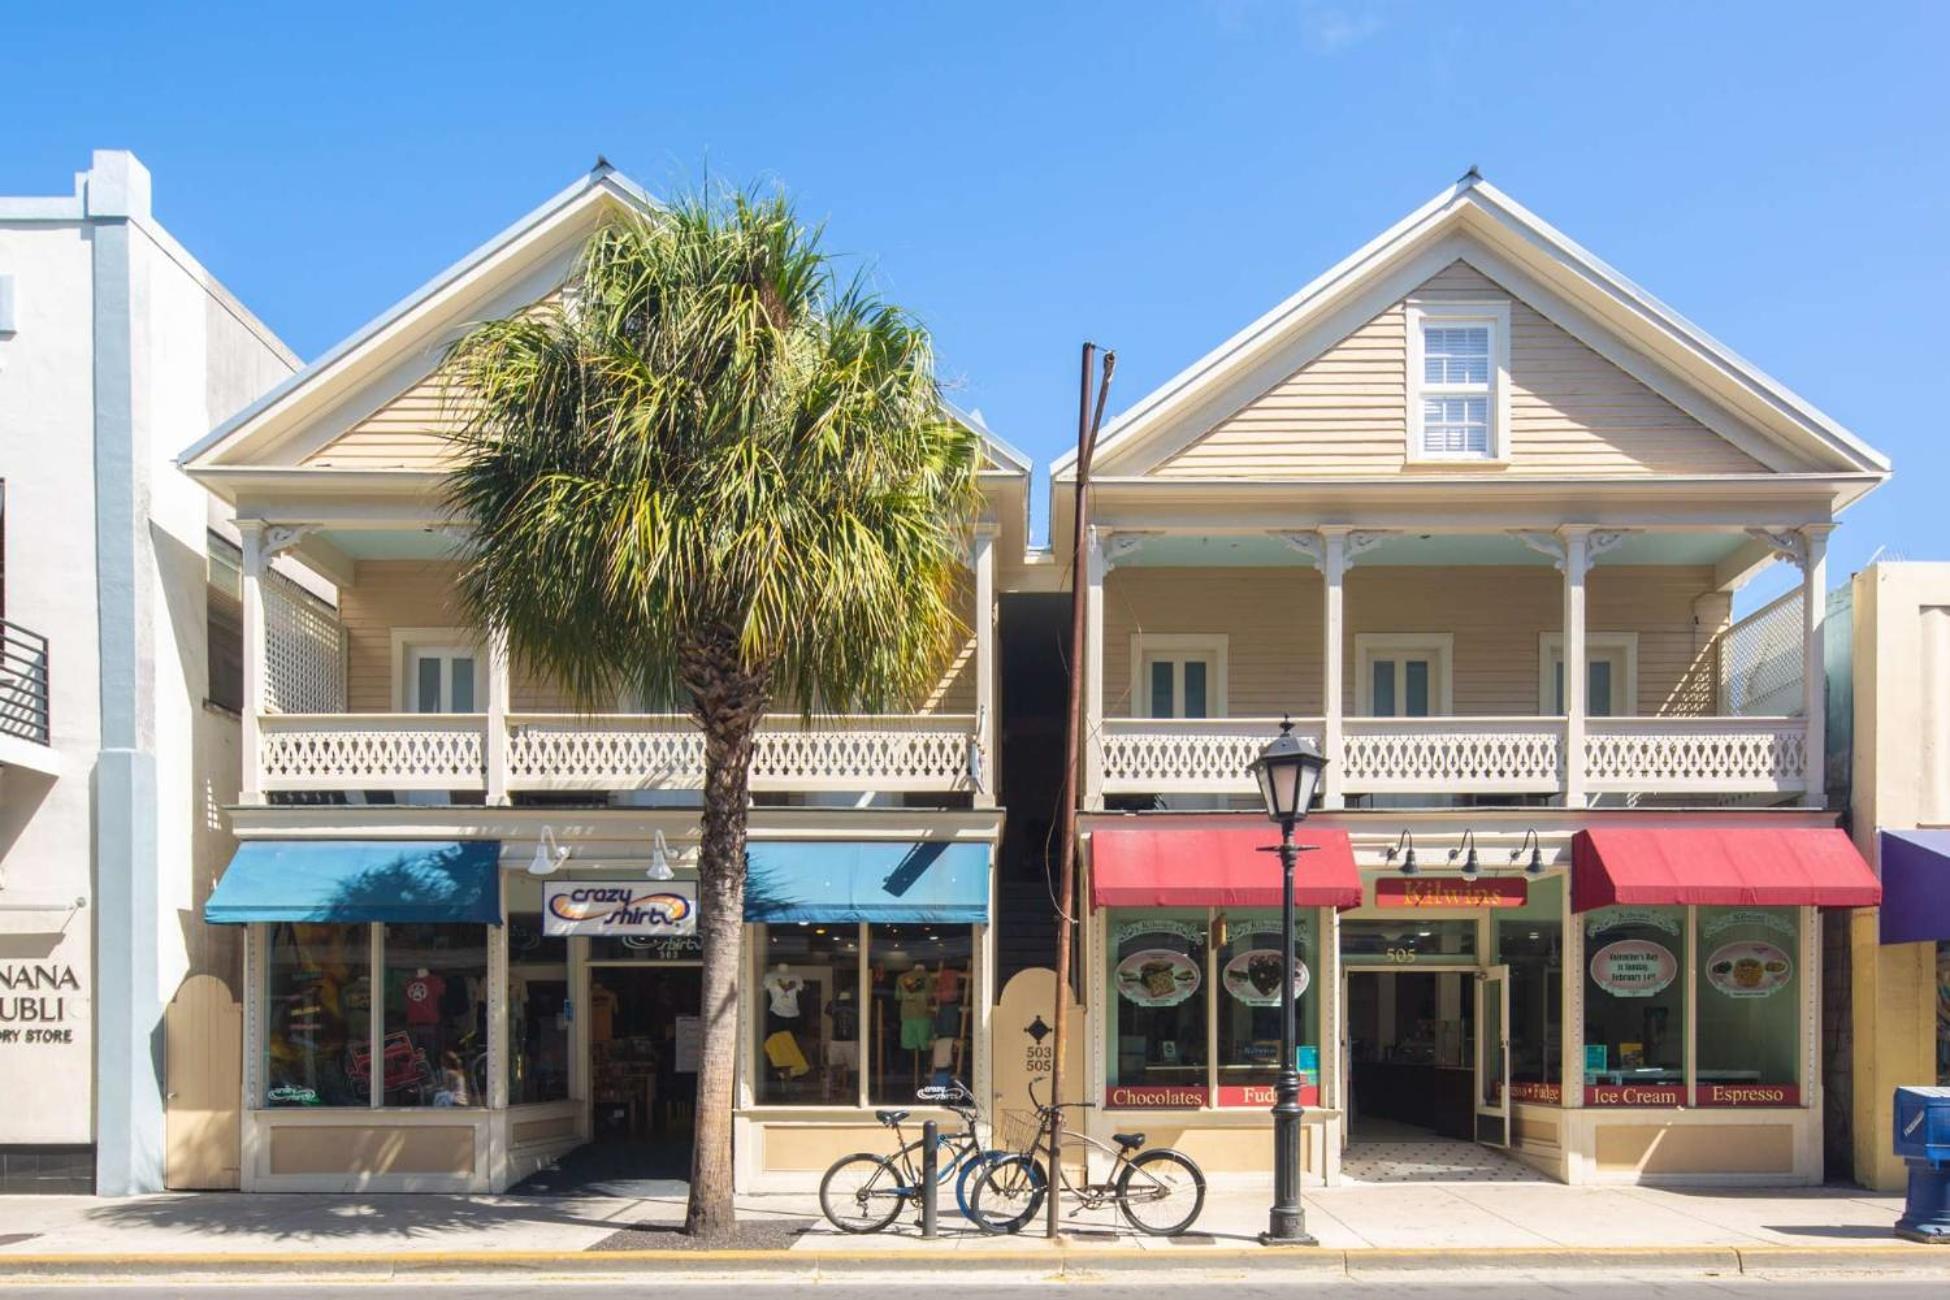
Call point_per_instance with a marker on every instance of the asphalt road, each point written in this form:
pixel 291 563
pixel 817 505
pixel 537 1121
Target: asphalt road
pixel 1182 1288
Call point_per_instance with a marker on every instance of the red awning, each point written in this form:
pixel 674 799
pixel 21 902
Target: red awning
pixel 1207 866
pixel 1752 867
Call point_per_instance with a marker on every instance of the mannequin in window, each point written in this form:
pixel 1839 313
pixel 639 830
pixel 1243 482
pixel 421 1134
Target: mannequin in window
pixel 843 1045
pixel 914 992
pixel 782 1050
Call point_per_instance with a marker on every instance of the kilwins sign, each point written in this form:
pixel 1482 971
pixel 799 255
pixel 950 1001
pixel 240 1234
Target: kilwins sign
pixel 39 1003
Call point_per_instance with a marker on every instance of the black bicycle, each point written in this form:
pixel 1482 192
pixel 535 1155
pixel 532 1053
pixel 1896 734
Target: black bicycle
pixel 864 1192
pixel 1159 1192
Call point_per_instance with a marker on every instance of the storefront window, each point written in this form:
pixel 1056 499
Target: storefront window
pixel 319 1016
pixel 1635 1006
pixel 808 1022
pixel 1943 1013
pixel 1409 941
pixel 1530 941
pixel 1749 1006
pixel 434 1052
pixel 1247 1000
pixel 1157 981
pixel 923 1008
pixel 538 1012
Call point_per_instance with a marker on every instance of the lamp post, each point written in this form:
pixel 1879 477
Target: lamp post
pixel 1288 771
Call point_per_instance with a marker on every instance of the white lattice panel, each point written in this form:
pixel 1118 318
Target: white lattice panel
pixel 892 753
pixel 1761 660
pixel 373 751
pixel 1452 755
pixel 1187 755
pixel 304 651
pixel 1696 755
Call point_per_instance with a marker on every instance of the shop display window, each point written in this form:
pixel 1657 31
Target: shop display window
pixel 1635 1006
pixel 318 1016
pixel 1748 1006
pixel 1943 1013
pixel 922 1008
pixel 808 1014
pixel 435 1046
pixel 538 1012
pixel 1158 1003
pixel 1530 941
pixel 1246 997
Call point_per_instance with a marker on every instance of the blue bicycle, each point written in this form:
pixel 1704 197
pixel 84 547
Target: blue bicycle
pixel 864 1192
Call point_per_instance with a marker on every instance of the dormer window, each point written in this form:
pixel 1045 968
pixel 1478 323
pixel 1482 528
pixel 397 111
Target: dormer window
pixel 1458 381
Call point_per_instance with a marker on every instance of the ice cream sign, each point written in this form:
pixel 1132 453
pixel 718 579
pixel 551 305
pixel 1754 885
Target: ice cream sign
pixel 1633 968
pixel 661 908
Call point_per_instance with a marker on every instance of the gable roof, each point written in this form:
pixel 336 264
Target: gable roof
pixel 1472 214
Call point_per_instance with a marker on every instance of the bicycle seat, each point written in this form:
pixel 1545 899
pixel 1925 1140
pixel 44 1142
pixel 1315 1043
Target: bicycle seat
pixel 1129 1141
pixel 890 1117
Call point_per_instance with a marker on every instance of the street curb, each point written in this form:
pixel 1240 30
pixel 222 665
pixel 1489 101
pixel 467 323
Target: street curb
pixel 1042 1262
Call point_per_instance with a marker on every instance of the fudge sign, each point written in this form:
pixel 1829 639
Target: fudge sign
pixel 39 1003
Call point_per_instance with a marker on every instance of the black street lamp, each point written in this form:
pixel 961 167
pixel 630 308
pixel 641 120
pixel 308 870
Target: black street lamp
pixel 1288 771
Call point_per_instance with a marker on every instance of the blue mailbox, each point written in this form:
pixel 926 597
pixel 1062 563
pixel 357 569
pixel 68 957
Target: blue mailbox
pixel 1923 1141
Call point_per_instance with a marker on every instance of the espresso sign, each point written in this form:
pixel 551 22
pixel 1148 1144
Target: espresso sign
pixel 1450 891
pixel 661 908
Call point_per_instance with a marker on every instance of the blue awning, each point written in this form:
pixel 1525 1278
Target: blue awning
pixel 1915 886
pixel 899 882
pixel 354 881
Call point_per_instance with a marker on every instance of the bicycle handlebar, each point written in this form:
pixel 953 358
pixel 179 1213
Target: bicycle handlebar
pixel 1044 1109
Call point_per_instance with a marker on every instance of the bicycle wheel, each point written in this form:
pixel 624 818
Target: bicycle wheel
pixel 1007 1194
pixel 971 1168
pixel 861 1193
pixel 1161 1192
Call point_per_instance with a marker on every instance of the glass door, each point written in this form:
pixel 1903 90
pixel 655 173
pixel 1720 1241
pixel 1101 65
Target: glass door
pixel 1493 1057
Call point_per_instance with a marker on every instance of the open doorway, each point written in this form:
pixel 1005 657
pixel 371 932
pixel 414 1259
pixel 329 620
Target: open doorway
pixel 643 1046
pixel 1411 1055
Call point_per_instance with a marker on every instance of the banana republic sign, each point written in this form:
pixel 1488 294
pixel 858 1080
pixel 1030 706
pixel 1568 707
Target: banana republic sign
pixel 39 1002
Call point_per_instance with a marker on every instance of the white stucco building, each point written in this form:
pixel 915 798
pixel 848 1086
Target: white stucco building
pixel 116 349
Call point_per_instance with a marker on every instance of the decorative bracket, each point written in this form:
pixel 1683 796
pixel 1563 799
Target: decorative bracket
pixel 1308 544
pixel 1551 545
pixel 1548 545
pixel 1119 546
pixel 1313 544
pixel 279 538
pixel 1363 540
pixel 1786 545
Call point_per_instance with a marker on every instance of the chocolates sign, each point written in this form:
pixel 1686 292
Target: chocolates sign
pixel 1196 1096
pixel 1451 891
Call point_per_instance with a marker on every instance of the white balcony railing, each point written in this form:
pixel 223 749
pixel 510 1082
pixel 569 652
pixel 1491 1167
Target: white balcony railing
pixel 602 752
pixel 1460 755
pixel 1188 755
pixel 1469 756
pixel 1696 755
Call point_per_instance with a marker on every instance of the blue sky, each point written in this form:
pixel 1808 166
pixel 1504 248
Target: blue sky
pixel 1025 176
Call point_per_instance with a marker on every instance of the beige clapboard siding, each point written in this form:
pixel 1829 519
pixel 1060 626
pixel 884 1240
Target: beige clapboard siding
pixel 410 432
pixel 389 594
pixel 1497 615
pixel 1571 411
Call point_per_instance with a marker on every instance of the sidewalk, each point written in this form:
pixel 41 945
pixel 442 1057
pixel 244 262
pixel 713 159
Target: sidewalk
pixel 1402 1225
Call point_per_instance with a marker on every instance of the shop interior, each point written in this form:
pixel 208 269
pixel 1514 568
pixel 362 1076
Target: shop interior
pixel 644 1037
pixel 1411 1055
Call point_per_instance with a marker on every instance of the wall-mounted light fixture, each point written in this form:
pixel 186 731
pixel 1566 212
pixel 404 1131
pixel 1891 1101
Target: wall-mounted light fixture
pixel 549 856
pixel 1405 850
pixel 660 858
pixel 1535 866
pixel 1471 864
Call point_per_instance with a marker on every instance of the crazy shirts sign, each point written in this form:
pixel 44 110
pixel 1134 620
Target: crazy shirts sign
pixel 661 908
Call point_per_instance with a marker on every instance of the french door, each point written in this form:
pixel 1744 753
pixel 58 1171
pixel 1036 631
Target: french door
pixel 1493 1057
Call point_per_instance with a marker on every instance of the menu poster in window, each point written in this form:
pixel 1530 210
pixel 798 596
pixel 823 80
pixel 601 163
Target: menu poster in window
pixel 1749 969
pixel 687 1039
pixel 1633 968
pixel 1157 977
pixel 1253 977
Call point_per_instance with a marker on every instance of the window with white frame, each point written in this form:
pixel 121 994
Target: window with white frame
pixel 1611 675
pixel 1178 676
pixel 1404 674
pixel 1458 379
pixel 441 670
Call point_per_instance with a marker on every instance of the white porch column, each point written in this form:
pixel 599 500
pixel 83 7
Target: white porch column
pixel 1092 740
pixel 497 720
pixel 1814 666
pixel 251 777
pixel 1333 572
pixel 983 558
pixel 1575 563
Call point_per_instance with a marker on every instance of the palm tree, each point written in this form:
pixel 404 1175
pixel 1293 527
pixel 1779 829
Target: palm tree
pixel 710 471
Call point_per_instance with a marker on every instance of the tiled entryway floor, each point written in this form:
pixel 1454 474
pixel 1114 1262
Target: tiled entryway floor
pixel 1432 1160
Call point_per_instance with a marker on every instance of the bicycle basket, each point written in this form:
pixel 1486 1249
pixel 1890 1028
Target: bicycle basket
pixel 1018 1130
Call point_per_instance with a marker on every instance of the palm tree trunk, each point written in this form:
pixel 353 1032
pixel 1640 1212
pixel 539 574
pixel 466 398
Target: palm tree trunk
pixel 728 703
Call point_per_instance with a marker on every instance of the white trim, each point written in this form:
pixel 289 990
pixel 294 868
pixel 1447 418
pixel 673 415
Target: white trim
pixel 1550 650
pixel 1492 313
pixel 406 640
pixel 1180 645
pixel 1441 646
